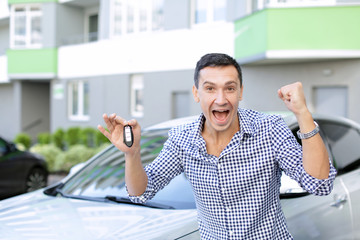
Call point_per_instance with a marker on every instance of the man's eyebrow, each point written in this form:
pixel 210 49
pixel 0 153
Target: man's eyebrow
pixel 231 82
pixel 209 83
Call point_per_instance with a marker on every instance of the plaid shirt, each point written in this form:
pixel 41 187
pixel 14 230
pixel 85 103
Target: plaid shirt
pixel 237 193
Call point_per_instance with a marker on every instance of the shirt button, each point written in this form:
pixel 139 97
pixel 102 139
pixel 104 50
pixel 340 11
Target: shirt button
pixel 231 233
pixel 228 209
pixel 223 190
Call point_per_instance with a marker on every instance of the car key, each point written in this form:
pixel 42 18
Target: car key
pixel 128 136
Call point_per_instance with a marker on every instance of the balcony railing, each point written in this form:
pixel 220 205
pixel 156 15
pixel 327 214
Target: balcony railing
pixel 79 39
pixel 261 4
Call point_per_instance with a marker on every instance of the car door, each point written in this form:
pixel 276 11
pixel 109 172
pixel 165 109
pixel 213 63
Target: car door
pixel 344 141
pixel 11 170
pixel 320 217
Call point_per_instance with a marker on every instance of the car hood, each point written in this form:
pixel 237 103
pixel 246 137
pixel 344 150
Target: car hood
pixel 38 216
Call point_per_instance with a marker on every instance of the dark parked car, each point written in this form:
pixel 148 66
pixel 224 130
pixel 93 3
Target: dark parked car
pixel 20 171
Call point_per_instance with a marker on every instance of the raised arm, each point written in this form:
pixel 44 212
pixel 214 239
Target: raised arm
pixel 135 176
pixel 315 155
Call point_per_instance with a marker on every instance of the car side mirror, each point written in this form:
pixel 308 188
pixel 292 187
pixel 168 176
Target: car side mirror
pixel 291 188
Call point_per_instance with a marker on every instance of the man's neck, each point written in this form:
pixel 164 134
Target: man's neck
pixel 216 141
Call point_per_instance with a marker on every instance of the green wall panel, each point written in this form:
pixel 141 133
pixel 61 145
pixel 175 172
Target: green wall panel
pixel 32 61
pixel 311 28
pixel 335 28
pixel 251 35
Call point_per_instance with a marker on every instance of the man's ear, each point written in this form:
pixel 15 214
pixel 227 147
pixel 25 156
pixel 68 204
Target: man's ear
pixel 241 93
pixel 195 94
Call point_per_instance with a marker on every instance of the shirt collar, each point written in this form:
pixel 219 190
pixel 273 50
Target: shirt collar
pixel 246 127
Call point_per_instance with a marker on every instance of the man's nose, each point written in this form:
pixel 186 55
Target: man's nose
pixel 220 98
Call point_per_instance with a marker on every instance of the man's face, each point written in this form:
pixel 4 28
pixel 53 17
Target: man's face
pixel 219 93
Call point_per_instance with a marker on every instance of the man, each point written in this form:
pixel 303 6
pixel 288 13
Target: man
pixel 232 157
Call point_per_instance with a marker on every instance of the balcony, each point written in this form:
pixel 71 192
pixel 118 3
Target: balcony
pixel 301 34
pixel 32 63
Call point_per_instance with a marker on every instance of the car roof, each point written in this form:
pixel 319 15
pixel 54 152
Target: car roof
pixel 172 123
pixel 288 117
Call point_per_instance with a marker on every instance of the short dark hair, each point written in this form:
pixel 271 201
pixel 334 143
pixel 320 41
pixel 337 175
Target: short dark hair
pixel 215 60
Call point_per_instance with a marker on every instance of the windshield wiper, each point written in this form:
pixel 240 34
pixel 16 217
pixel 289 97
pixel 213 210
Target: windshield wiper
pixel 126 200
pixel 58 191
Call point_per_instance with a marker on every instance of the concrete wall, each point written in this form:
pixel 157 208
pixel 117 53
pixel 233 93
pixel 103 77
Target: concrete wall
pixel 108 94
pixel 9 118
pixel 48 25
pixel 4 38
pixel 158 91
pixel 111 94
pixel 69 24
pixel 35 108
pixel 261 83
pixel 180 9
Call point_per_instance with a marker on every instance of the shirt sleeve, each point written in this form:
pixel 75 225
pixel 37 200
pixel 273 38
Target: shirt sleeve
pixel 289 157
pixel 161 171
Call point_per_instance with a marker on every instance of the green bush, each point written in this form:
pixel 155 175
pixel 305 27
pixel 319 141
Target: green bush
pixel 100 139
pixel 72 136
pixel 24 139
pixel 44 138
pixel 76 154
pixel 50 152
pixel 87 136
pixel 58 138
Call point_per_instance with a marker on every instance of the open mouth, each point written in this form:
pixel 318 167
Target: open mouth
pixel 221 115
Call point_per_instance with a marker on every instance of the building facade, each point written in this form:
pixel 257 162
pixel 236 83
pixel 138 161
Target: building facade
pixel 65 63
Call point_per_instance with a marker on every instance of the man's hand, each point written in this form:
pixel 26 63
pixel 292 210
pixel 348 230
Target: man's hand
pixel 116 124
pixel 293 97
pixel 135 176
pixel 315 156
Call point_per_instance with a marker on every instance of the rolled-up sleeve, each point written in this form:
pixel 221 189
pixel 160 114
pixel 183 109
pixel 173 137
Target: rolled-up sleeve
pixel 316 186
pixel 160 172
pixel 289 157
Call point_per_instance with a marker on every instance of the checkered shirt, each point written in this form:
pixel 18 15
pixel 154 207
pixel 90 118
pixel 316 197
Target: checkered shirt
pixel 237 193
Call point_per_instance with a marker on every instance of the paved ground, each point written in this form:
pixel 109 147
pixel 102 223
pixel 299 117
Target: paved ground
pixel 54 178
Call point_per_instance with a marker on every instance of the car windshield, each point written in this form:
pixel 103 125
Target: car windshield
pixel 104 176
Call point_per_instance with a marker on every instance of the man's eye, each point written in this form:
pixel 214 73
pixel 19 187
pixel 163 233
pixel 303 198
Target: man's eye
pixel 209 88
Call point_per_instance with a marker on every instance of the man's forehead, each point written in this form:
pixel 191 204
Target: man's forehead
pixel 228 74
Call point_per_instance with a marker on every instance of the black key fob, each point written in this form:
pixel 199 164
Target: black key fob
pixel 128 136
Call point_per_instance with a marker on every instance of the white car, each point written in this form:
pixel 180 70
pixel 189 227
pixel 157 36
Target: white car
pixel 92 202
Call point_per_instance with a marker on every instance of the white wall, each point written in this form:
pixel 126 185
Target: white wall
pixel 3 69
pixel 163 51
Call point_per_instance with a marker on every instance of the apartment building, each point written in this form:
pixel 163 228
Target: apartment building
pixel 66 62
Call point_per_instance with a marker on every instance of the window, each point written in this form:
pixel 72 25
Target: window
pixel 78 100
pixel 134 16
pixel 26 30
pixel 207 11
pixel 331 100
pixel 93 28
pixel 181 103
pixel 137 96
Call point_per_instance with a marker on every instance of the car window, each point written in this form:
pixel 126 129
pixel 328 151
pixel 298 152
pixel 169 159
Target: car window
pixel 105 175
pixel 3 147
pixel 294 131
pixel 344 142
